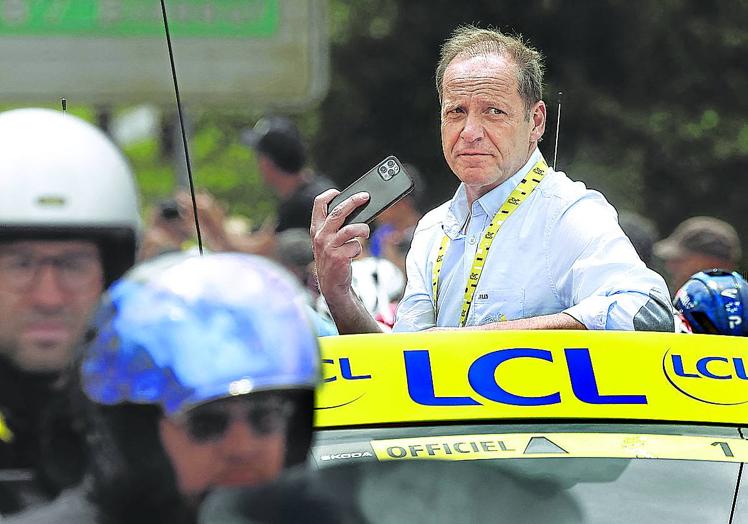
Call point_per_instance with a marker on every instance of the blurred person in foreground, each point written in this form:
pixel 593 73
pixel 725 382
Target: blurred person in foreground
pixel 714 302
pixel 171 229
pixel 399 491
pixel 69 226
pixel 282 162
pixel 699 243
pixel 200 372
pixel 560 261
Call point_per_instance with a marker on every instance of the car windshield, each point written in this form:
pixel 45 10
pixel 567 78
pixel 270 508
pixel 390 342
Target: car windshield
pixel 660 473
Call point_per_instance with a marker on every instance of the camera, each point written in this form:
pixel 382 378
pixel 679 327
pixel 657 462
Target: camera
pixel 388 169
pixel 169 209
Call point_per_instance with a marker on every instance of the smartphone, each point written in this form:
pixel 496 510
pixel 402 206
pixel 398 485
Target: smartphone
pixel 387 182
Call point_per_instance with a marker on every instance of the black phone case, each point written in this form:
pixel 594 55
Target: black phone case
pixel 386 183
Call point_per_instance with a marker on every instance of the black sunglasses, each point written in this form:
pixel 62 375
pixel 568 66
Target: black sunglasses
pixel 265 416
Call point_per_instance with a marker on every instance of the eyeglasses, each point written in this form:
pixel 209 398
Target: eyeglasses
pixel 74 270
pixel 265 416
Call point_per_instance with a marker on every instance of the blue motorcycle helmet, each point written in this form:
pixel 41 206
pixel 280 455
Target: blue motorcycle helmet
pixel 715 302
pixel 183 330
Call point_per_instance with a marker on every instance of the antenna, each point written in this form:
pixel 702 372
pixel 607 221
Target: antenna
pixel 558 127
pixel 181 124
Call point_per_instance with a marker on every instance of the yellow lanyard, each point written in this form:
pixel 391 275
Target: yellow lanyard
pixel 520 193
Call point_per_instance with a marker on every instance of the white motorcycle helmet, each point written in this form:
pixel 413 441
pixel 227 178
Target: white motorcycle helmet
pixel 62 178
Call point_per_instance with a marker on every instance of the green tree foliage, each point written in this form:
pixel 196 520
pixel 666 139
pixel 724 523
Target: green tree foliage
pixel 220 164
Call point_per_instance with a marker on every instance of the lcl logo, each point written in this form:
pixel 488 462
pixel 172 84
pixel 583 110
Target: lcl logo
pixel 712 379
pixel 340 372
pixel 484 379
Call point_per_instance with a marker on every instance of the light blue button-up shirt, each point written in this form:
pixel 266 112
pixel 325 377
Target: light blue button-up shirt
pixel 562 250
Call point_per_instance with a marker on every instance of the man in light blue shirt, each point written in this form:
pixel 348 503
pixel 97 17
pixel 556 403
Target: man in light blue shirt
pixel 562 250
pixel 519 246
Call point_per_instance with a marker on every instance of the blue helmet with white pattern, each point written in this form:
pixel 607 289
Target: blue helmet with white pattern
pixel 715 302
pixel 184 330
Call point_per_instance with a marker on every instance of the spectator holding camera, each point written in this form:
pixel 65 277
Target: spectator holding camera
pixel 172 227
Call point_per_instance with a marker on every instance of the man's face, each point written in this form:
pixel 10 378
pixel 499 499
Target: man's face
pixel 487 135
pixel 47 292
pixel 229 442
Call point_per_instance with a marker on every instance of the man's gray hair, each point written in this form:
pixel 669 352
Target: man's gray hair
pixel 469 41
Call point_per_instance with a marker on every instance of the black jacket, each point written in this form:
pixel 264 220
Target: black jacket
pixel 75 506
pixel 43 452
pixel 71 506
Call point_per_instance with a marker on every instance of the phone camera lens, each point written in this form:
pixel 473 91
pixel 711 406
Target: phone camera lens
pixel 383 169
pixel 391 163
pixel 391 172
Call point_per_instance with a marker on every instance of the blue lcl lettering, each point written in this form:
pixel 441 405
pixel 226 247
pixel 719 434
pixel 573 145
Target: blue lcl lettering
pixel 482 377
pixel 332 378
pixel 740 368
pixel 702 368
pixel 584 384
pixel 678 368
pixel 421 382
pixel 704 371
pixel 345 370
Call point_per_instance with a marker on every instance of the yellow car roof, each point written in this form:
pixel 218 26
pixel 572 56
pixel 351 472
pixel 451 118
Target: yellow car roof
pixel 453 376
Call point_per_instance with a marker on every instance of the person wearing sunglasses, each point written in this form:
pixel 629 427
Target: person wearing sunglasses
pixel 199 372
pixel 69 226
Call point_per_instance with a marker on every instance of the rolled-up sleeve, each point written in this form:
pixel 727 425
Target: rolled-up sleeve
pixel 597 273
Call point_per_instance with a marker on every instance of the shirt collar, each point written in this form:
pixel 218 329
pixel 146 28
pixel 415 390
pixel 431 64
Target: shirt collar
pixel 489 203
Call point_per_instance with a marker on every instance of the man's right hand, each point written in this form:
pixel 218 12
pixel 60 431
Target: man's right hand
pixel 335 246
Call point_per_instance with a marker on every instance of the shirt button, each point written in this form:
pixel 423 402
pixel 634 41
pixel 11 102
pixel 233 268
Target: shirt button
pixel 471 240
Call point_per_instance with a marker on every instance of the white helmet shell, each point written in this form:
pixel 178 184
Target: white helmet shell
pixel 61 177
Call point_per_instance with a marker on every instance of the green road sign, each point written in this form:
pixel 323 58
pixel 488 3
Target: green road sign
pixel 136 18
pixel 252 54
